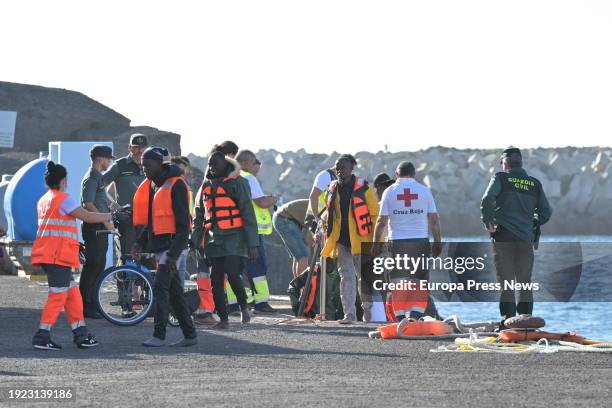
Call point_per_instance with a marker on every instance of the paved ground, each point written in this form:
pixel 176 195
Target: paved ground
pixel 264 365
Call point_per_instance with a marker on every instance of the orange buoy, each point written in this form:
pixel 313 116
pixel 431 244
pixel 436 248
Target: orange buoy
pixel 518 335
pixel 408 328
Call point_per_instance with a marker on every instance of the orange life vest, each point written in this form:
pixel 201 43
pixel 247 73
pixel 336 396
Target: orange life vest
pixel 163 214
pixel 219 208
pixel 57 239
pixel 402 302
pixel 359 207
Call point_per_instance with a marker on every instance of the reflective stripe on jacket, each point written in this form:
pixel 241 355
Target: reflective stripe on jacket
pixel 263 216
pixel 57 238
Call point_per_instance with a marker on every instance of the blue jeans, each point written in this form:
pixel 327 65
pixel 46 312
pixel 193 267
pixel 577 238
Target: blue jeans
pixel 292 236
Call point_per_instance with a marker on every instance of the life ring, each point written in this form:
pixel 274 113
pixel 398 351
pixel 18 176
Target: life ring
pixel 408 328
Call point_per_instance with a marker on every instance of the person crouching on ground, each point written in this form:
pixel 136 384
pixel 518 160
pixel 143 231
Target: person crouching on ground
pixel 289 221
pixel 56 250
pixel 352 209
pixel 161 206
pixel 226 228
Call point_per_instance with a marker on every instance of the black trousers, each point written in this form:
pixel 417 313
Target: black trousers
pixel 95 261
pixel 230 266
pixel 126 239
pixel 169 292
pixel 513 260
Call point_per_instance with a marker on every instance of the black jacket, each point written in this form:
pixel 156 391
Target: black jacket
pixel 173 243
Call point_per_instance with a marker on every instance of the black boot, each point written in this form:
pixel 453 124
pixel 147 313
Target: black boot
pixel 245 315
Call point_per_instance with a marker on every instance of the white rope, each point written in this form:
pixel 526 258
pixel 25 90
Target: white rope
pixel 542 346
pixel 481 327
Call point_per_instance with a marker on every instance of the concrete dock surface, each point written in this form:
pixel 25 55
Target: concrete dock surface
pixel 265 364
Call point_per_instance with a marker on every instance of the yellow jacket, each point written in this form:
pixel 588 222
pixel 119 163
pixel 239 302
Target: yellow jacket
pixel 330 249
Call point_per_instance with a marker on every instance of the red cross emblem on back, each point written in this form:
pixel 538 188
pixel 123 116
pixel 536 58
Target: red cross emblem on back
pixel 407 197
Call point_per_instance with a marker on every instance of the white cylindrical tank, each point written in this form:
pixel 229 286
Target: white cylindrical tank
pixel 75 157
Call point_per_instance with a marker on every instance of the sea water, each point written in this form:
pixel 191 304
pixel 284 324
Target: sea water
pixel 589 319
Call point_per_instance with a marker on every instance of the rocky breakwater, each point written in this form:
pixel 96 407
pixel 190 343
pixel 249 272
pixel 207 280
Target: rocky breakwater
pixel 576 181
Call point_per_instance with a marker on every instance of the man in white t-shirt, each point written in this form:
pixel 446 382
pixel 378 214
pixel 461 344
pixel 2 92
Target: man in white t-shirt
pixel 409 212
pixel 317 194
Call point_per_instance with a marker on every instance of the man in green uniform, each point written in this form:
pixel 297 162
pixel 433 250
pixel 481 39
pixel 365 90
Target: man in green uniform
pixel 126 174
pixel 94 199
pixel 513 207
pixel 226 228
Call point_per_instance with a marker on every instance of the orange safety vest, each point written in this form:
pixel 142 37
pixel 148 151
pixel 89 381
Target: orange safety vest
pixel 163 214
pixel 57 238
pixel 358 205
pixel 401 302
pixel 219 208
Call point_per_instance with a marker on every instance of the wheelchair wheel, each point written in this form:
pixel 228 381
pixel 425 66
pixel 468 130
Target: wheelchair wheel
pixel 124 295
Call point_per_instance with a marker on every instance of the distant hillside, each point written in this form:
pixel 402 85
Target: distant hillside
pixel 50 114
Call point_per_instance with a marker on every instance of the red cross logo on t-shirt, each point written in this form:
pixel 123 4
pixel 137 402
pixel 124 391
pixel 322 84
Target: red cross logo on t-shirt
pixel 407 197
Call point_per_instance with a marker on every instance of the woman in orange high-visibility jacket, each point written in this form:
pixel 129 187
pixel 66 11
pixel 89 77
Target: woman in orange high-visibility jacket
pixel 56 250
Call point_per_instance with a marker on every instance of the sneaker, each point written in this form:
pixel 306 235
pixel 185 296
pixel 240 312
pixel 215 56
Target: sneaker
pixel 205 319
pixel 245 315
pixel 154 342
pixel 222 325
pixel 88 341
pixel 185 343
pixel 346 321
pixel 47 345
pixel 500 327
pixel 264 307
pixel 42 342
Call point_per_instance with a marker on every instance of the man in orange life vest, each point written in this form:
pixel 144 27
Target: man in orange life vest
pixel 161 205
pixel 56 250
pixel 226 227
pixel 352 209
